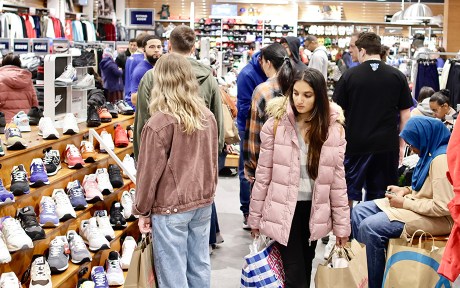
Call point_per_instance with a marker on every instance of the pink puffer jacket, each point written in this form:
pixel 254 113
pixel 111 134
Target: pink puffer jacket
pixel 274 196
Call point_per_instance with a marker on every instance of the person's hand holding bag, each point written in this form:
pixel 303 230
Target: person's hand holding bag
pixel 145 225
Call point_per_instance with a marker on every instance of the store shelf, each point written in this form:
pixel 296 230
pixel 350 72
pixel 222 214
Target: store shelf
pixel 172 21
pixel 83 89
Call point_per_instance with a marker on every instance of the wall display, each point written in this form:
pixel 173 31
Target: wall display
pixel 140 18
pixel 21 46
pixel 4 45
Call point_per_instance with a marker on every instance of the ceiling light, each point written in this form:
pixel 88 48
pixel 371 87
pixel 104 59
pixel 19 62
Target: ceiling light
pixel 418 11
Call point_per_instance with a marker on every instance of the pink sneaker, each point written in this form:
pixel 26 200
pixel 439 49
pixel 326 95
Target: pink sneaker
pixel 92 192
pixel 72 157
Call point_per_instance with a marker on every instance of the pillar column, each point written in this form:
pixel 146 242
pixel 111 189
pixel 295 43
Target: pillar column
pixel 451 26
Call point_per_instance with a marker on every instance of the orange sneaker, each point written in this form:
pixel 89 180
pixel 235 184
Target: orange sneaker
pixel 121 137
pixel 87 152
pixel 104 114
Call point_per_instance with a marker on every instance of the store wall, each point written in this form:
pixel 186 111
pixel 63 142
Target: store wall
pixel 452 25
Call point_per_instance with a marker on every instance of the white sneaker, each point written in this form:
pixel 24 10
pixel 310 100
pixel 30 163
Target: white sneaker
pixel 127 203
pixel 5 256
pixel 64 208
pixel 70 125
pixel 15 236
pixel 128 162
pixel 108 141
pixel 46 129
pixel 127 251
pixel 114 272
pixel 103 181
pixel 93 236
pixel 103 222
pixel 329 246
pixel 132 191
pixel 40 274
pixel 9 280
pixel 86 82
pixel 67 77
pixel 22 121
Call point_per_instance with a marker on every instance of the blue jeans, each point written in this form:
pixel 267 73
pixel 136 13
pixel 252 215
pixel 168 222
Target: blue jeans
pixel 214 225
pixel 245 189
pixel 180 249
pixel 372 227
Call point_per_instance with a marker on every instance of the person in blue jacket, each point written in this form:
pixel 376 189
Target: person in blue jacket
pixel 248 79
pixel 111 76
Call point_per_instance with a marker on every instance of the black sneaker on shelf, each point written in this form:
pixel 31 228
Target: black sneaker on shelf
pixel 115 176
pixel 93 119
pixel 117 220
pixel 112 110
pixel 87 58
pixel 29 223
pixel 19 183
pixel 52 161
pixel 2 123
pixel 34 115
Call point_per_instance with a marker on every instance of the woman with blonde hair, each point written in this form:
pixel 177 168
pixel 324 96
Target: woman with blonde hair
pixel 177 175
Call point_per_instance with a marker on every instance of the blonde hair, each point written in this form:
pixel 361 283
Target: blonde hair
pixel 176 92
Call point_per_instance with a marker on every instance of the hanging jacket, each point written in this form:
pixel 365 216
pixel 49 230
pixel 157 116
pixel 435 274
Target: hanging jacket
pixel 274 196
pixel 17 92
pixel 111 75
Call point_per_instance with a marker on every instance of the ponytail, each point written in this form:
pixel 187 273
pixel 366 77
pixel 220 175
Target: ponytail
pixel 286 76
pixel 441 97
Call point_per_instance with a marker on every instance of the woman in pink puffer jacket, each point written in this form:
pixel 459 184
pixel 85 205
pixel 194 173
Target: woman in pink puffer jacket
pixel 299 193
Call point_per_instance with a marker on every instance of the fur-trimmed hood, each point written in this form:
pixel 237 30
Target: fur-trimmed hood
pixel 277 108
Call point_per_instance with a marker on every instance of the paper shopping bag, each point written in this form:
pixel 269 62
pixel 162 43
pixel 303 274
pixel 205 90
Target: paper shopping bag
pixel 414 265
pixel 141 272
pixel 355 275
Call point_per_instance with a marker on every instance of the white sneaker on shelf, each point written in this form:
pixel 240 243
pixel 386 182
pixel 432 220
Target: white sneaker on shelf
pixel 103 222
pixel 5 256
pixel 93 236
pixel 22 121
pixel 15 236
pixel 70 125
pixel 9 280
pixel 127 251
pixel 108 141
pixel 40 274
pixel 127 203
pixel 103 181
pixel 86 82
pixel 47 129
pixel 64 208
pixel 114 272
pixel 67 77
pixel 128 162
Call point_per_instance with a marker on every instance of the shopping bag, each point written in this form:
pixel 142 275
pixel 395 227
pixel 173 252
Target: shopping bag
pixel 355 275
pixel 141 272
pixel 229 113
pixel 414 265
pixel 263 267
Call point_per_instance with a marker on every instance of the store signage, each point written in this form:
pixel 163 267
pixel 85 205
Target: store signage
pixel 224 10
pixel 40 46
pixel 60 46
pixel 141 17
pixel 4 44
pixel 21 46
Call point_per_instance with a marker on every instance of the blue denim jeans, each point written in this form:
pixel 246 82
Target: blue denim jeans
pixel 214 225
pixel 180 249
pixel 372 227
pixel 245 188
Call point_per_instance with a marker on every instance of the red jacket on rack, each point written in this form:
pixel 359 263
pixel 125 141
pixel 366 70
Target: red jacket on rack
pixel 450 264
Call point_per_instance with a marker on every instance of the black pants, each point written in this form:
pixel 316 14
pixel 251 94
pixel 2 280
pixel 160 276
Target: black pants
pixel 298 255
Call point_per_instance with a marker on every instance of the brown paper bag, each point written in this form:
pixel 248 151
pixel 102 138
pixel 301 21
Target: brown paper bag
pixel 355 275
pixel 141 272
pixel 414 265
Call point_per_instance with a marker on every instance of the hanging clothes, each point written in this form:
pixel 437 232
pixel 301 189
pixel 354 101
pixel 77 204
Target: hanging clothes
pixel 68 30
pixel 453 83
pixel 427 75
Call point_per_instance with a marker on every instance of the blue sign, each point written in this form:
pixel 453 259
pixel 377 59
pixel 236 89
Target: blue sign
pixel 21 46
pixel 4 44
pixel 141 17
pixel 40 46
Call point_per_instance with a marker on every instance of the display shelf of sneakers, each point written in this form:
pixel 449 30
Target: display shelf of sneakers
pixel 21 259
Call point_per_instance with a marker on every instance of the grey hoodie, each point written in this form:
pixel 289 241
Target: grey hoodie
pixel 319 60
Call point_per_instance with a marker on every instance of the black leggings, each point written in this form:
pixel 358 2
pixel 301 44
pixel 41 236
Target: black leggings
pixel 298 255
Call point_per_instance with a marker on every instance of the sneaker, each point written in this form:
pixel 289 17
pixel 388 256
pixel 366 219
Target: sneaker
pixel 115 275
pixel 59 252
pixel 115 176
pixel 128 162
pixel 73 157
pixel 92 192
pixel 129 244
pixel 93 236
pixel 64 209
pixel 52 162
pixel 130 133
pixel 5 195
pixel 78 252
pixel 112 110
pixel 103 222
pixel 92 119
pixel 99 277
pixel 13 138
pixel 85 283
pixel 117 220
pixel 103 181
pixel 87 82
pixel 87 152
pixel 19 184
pixel 127 204
pixel 9 280
pixel 2 123
pixel 5 256
pixel 67 77
pixel 108 141
pixel 46 129
pixel 104 115
pixel 124 108
pixel 48 216
pixel 40 273
pixel 15 237
pixel 38 176
pixel 29 223
pixel 70 125
pixel 245 222
pixel 34 115
pixel 76 195
pixel 22 121
pixel 121 136
pixel 132 191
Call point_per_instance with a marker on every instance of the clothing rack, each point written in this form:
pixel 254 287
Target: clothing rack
pixel 457 55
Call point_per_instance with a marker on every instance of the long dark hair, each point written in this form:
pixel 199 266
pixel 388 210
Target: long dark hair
pixel 277 55
pixel 319 116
